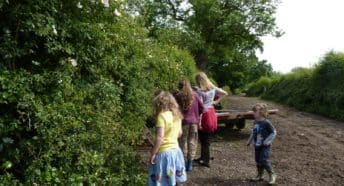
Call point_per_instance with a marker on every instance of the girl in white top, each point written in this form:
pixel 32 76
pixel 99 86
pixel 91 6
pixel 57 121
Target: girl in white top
pixel 208 124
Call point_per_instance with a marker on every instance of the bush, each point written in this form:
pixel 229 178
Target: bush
pixel 227 89
pixel 75 87
pixel 292 88
pixel 329 86
pixel 319 90
pixel 259 87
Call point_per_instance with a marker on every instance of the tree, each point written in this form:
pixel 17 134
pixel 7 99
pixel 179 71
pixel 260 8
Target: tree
pixel 259 69
pixel 218 33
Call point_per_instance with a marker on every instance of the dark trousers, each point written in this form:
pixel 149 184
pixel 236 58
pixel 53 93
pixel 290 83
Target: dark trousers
pixel 204 138
pixel 262 155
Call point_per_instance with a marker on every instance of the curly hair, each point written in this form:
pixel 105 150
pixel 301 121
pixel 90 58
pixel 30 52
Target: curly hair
pixel 262 108
pixel 165 101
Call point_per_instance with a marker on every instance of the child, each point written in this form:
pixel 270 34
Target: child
pixel 167 162
pixel 208 124
pixel 262 136
pixel 191 107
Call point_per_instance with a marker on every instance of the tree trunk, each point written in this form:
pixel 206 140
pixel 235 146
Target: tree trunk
pixel 201 60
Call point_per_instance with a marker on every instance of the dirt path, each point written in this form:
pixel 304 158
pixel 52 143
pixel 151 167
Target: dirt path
pixel 308 150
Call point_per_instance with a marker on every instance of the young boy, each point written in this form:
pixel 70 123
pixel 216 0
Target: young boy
pixel 262 136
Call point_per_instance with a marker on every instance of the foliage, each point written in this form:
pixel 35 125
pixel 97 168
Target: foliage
pixel 329 86
pixel 318 90
pixel 222 35
pixel 76 81
pixel 293 89
pixel 259 69
pixel 227 89
pixel 259 87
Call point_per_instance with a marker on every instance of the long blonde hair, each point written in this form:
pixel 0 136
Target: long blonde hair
pixel 262 108
pixel 203 82
pixel 186 94
pixel 163 102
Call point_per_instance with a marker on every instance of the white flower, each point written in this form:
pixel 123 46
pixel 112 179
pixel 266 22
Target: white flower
pixel 7 140
pixel 73 62
pixel 117 13
pixel 60 81
pixel 79 5
pixel 54 30
pixel 106 3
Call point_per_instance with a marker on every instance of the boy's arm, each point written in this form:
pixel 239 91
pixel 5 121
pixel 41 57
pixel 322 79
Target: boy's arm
pixel 250 139
pixel 253 133
pixel 272 135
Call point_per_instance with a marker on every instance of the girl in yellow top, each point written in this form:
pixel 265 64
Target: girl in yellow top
pixel 167 161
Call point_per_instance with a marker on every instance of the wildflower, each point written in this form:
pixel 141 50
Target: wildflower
pixel 117 13
pixel 54 30
pixel 79 5
pixel 106 3
pixel 7 140
pixel 73 62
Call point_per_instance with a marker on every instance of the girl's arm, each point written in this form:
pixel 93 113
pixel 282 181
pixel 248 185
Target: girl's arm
pixel 160 133
pixel 221 94
pixel 180 133
pixel 200 105
pixel 200 122
pixel 201 110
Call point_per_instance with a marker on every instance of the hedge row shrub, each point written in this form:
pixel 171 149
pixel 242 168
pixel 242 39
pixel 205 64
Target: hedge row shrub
pixel 76 80
pixel 319 89
pixel 259 87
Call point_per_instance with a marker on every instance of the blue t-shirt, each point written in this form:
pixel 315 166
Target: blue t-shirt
pixel 263 133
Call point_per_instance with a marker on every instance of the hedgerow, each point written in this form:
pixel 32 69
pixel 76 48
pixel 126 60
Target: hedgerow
pixel 319 89
pixel 76 80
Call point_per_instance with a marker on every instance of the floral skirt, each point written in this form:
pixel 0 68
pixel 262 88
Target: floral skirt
pixel 169 168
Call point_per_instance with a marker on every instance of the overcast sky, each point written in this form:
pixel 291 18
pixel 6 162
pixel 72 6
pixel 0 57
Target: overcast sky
pixel 312 28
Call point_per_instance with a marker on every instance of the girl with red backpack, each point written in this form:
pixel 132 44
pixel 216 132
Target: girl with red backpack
pixel 208 125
